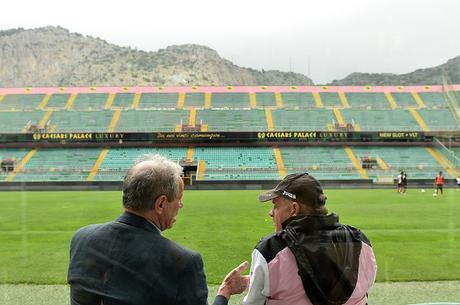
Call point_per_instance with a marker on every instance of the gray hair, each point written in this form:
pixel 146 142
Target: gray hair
pixel 142 185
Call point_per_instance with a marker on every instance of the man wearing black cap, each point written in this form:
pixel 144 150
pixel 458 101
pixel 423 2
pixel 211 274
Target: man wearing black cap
pixel 311 258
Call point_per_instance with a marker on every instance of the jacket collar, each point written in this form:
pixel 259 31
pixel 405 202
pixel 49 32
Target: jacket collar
pixel 308 223
pixel 137 221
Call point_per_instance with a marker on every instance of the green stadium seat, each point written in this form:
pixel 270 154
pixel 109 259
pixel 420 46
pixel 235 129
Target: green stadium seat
pixel 20 102
pixel 298 100
pixel 90 101
pixel 232 120
pixel 230 100
pixel 315 119
pixel 59 164
pixel 158 100
pixel 151 120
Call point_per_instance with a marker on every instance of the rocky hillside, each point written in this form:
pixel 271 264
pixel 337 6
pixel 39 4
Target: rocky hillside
pixel 429 76
pixel 53 56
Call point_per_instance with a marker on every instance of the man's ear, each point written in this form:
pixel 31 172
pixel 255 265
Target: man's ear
pixel 160 204
pixel 296 208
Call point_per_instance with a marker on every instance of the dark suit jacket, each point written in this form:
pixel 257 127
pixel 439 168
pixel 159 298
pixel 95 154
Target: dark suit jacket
pixel 128 261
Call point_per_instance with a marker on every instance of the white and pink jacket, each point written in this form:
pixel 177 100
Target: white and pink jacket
pixel 331 253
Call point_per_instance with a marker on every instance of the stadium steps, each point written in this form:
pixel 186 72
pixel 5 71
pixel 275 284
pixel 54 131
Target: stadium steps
pixel 97 165
pixel 279 100
pixel 442 160
pixel 381 163
pixel 181 100
pixel 201 170
pixel 391 100
pixel 70 101
pixel 136 100
pixel 419 119
pixel 318 100
pixel 418 100
pixel 344 100
pixel 16 154
pixel 45 118
pixel 192 117
pixel 21 165
pixel 114 121
pixel 279 162
pixel 338 116
pixel 252 100
pixel 44 101
pixel 207 100
pixel 356 163
pixel 190 153
pixel 109 101
pixel 269 119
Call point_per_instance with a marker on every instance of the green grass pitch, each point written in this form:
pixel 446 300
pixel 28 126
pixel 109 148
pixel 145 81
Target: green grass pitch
pixel 416 237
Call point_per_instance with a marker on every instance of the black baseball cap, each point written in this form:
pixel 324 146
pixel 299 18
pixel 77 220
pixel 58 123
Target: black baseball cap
pixel 302 188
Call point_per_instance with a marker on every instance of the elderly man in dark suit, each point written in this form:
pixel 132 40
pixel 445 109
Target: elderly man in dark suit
pixel 128 261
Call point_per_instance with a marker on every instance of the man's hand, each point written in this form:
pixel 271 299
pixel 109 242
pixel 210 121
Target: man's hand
pixel 234 282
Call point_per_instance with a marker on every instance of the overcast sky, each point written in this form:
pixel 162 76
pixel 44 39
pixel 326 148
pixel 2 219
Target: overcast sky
pixel 325 39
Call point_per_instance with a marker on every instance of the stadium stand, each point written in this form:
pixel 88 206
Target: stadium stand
pixel 230 100
pixel 88 102
pixel 298 100
pixel 330 99
pixel 151 120
pixel 280 124
pixel 317 161
pixel 81 121
pixel 373 120
pixel 237 163
pixel 158 100
pixel 118 160
pixel 232 120
pixel 123 101
pixel 55 164
pixel 194 100
pixel 302 119
pixel 404 99
pixel 367 100
pixel 21 102
pixel 265 99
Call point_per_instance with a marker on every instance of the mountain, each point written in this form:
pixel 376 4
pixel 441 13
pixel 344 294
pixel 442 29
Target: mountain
pixel 429 76
pixel 53 56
